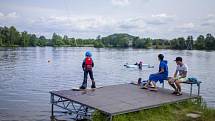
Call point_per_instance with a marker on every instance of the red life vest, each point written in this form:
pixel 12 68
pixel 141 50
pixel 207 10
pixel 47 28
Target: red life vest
pixel 88 63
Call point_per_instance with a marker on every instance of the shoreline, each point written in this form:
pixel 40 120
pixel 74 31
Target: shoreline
pixel 16 46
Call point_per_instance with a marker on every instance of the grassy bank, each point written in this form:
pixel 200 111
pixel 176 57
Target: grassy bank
pixel 169 112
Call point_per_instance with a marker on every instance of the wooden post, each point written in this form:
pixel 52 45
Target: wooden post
pixel 191 89
pixel 198 89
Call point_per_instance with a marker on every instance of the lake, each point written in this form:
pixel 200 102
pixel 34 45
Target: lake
pixel 26 76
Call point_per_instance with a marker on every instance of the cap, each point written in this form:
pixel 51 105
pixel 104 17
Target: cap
pixel 178 59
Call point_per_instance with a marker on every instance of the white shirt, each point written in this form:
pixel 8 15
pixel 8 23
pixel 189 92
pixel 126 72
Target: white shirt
pixel 182 69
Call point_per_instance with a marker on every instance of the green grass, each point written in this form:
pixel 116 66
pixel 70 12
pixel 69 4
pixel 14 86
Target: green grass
pixel 169 112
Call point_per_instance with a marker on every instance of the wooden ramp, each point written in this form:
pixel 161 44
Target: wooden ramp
pixel 114 100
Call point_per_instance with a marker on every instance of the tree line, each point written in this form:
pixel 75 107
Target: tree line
pixel 11 37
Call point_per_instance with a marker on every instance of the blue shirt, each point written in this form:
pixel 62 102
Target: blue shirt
pixel 163 65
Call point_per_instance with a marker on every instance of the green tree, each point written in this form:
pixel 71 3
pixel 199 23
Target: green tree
pixel 24 40
pixel 66 40
pixel 42 41
pixel 148 42
pixel 142 43
pixel 200 42
pixel 189 43
pixel 209 42
pixel 13 36
pixel 178 43
pixel 182 44
pixel 57 40
pixel 98 44
pixel 33 40
pixel 73 42
pixel 1 44
pixel 5 33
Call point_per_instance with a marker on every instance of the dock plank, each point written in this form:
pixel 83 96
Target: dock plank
pixel 122 98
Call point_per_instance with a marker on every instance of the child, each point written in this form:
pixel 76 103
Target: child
pixel 87 66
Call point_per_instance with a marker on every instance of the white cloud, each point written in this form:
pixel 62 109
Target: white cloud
pixel 208 21
pixel 76 24
pixel 1 15
pixel 87 25
pixel 160 19
pixel 189 25
pixel 162 15
pixel 11 15
pixel 103 25
pixel 120 2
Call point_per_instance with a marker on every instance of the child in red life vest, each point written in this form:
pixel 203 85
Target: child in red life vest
pixel 87 66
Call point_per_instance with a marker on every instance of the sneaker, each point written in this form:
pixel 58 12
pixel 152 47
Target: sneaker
pixel 93 86
pixel 82 87
pixel 174 93
pixel 179 94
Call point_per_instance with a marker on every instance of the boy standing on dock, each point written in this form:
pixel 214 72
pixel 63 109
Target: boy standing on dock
pixel 87 66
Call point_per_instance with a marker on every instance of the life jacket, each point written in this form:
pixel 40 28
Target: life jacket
pixel 88 63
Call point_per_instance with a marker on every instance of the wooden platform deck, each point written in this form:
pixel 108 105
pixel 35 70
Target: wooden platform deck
pixel 123 98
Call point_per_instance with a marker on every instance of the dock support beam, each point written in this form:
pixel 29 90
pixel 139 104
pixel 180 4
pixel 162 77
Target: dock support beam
pixel 199 90
pixel 75 109
pixel 52 107
pixel 191 89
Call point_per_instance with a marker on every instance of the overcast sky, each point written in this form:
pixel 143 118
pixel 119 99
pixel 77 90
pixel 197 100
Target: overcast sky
pixel 90 18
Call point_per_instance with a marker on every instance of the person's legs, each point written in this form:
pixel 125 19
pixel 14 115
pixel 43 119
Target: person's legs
pixel 146 85
pixel 171 82
pixel 154 86
pixel 92 79
pixel 153 78
pixel 178 85
pixel 84 84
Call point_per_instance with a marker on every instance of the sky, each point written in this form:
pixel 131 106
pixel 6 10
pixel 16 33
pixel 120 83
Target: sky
pixel 166 19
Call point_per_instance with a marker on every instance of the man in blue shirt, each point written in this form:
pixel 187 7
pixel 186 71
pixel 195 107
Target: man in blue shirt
pixel 161 75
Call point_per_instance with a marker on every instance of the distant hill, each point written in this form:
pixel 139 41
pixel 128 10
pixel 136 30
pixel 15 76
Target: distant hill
pixel 119 40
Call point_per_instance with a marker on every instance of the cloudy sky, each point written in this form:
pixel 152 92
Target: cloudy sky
pixel 90 18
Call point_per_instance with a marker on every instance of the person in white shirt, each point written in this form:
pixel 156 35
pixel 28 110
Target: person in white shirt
pixel 180 76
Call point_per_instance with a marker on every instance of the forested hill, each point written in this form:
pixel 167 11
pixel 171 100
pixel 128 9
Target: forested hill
pixel 10 37
pixel 119 40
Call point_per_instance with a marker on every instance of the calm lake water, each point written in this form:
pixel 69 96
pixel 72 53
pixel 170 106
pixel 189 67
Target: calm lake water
pixel 26 77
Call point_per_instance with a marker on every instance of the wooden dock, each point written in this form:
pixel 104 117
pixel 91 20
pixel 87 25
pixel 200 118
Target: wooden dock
pixel 113 100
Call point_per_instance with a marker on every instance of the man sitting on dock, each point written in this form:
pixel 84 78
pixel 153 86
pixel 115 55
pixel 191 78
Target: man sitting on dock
pixel 161 75
pixel 179 76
